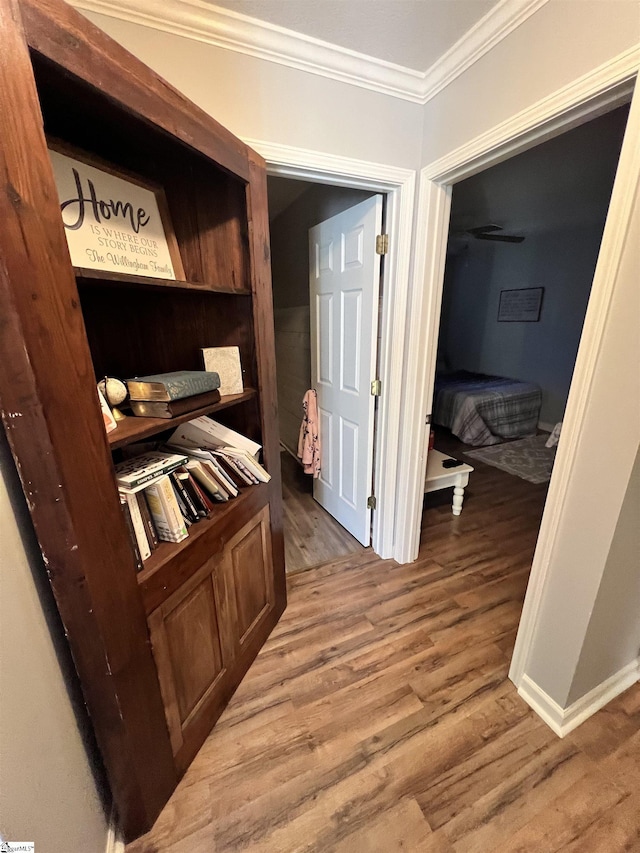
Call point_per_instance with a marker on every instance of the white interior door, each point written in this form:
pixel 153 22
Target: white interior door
pixel 344 275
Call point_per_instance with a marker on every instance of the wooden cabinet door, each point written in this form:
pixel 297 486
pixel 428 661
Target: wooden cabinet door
pixel 202 634
pixel 248 569
pixel 192 650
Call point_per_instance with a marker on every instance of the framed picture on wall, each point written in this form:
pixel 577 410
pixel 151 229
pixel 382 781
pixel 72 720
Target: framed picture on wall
pixel 520 306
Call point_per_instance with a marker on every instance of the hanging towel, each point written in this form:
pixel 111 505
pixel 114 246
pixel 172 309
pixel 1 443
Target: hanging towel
pixel 309 440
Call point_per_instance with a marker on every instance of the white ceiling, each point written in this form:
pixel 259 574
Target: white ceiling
pixel 410 33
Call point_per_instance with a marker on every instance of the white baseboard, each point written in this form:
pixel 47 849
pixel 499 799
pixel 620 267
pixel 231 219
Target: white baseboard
pixel 564 720
pixel 545 427
pixel 115 843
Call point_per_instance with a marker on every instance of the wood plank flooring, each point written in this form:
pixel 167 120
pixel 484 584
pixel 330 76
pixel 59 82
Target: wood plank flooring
pixel 311 535
pixel 379 716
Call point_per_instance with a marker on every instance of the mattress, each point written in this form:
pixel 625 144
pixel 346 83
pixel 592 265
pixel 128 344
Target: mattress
pixel 481 409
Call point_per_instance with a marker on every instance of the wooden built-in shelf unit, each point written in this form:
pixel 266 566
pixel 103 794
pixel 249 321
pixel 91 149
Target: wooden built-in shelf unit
pixel 158 652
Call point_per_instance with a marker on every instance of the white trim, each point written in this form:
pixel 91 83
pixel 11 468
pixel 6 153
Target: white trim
pixel 545 427
pixel 566 108
pixel 224 28
pixel 115 842
pixel 587 97
pixel 565 720
pixel 505 17
pixel 399 186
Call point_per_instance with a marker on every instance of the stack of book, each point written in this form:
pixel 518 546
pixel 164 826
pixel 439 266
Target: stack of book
pixel 164 492
pixel 205 439
pixel 167 395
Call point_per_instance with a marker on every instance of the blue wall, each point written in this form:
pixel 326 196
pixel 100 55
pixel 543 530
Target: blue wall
pixel 557 196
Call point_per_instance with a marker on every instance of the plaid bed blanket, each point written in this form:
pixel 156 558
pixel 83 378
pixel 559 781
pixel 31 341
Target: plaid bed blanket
pixel 481 409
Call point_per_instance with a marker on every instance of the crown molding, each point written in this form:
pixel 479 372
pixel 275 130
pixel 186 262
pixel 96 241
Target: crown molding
pixel 204 22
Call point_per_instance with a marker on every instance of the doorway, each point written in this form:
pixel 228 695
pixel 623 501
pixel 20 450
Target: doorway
pixel 545 211
pixel 609 87
pixel 312 535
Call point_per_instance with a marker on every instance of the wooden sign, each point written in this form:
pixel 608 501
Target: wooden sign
pixel 114 222
pixel 520 306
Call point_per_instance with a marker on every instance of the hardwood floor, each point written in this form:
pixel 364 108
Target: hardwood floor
pixel 379 717
pixel 311 535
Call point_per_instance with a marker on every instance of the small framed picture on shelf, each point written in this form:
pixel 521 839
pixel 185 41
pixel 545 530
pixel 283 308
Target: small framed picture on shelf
pixel 112 221
pixel 225 361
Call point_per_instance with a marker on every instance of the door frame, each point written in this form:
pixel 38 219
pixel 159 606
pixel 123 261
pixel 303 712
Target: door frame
pixel 398 185
pixel 595 93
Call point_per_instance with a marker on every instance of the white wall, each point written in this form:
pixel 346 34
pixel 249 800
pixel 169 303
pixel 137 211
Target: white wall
pixel 564 40
pixel 260 100
pixel 48 794
pixel 612 640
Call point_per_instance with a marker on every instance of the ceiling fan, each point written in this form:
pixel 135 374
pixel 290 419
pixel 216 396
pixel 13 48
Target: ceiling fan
pixel 486 232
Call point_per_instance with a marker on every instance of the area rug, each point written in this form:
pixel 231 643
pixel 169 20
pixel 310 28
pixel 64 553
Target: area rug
pixel 527 458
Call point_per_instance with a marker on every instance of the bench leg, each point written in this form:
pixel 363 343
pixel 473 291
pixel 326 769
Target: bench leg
pixel 458 494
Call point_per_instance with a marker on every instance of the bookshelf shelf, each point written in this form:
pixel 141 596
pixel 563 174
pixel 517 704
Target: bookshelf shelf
pixel 158 653
pixel 134 429
pixel 89 277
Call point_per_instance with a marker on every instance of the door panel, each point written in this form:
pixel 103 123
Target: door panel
pixel 189 648
pixel 344 303
pixel 250 555
pixel 192 635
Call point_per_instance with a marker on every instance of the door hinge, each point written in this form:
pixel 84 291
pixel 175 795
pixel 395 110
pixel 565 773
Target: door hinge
pixel 376 388
pixel 427 419
pixel 382 244
pixel 371 502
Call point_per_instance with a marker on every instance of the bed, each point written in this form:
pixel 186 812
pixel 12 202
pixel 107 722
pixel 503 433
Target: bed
pixel 481 409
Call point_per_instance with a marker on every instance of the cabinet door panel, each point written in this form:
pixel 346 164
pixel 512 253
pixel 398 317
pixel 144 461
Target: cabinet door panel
pixel 250 557
pixel 188 648
pixel 193 638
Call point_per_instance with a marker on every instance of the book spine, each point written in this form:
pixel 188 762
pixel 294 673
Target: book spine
pixel 224 478
pixel 165 512
pixel 138 527
pixel 170 502
pixel 157 512
pixel 231 471
pixel 132 534
pixel 207 482
pixel 150 530
pixel 192 385
pixel 189 486
pixel 206 501
pixel 212 472
pixel 185 503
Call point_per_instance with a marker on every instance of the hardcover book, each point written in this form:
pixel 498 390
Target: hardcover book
pixel 164 509
pixel 138 526
pixel 124 506
pixel 172 386
pixel 173 408
pixel 134 474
